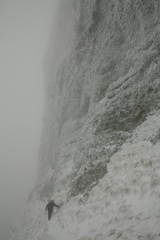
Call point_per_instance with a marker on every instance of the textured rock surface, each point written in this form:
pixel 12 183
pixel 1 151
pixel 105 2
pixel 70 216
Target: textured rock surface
pixel 99 154
pixel 103 87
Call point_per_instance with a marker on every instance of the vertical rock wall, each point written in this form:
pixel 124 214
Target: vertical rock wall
pixel 102 81
pixel 99 154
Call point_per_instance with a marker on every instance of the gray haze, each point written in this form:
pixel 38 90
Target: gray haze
pixel 25 27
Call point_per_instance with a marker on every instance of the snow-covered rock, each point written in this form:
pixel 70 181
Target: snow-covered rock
pixel 100 148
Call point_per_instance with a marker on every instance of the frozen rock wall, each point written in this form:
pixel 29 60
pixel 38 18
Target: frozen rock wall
pixel 99 154
pixel 102 82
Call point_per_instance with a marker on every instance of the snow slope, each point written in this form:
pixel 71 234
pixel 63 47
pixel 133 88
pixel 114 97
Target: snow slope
pixel 123 205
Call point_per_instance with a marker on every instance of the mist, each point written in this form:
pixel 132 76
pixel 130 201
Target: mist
pixel 25 28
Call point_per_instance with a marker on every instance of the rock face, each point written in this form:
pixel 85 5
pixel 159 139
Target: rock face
pixel 103 79
pixel 101 137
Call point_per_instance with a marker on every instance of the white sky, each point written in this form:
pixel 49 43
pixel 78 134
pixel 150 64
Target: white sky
pixel 25 27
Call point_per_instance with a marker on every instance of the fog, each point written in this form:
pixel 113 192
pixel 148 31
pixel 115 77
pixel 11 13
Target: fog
pixel 25 27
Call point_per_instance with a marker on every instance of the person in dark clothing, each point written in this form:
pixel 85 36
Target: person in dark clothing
pixel 49 207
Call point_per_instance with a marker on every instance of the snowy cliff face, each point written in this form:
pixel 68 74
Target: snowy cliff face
pixel 100 149
pixel 102 82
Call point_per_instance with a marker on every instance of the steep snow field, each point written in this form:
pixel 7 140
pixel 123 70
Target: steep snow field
pixel 124 205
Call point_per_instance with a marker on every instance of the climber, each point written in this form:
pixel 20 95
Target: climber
pixel 49 207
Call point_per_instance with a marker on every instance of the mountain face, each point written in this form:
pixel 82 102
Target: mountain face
pixel 100 90
pixel 100 147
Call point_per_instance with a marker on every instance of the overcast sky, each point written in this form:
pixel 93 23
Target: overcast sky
pixel 25 27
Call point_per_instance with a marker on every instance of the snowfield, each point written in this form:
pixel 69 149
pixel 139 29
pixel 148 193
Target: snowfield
pixel 124 205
